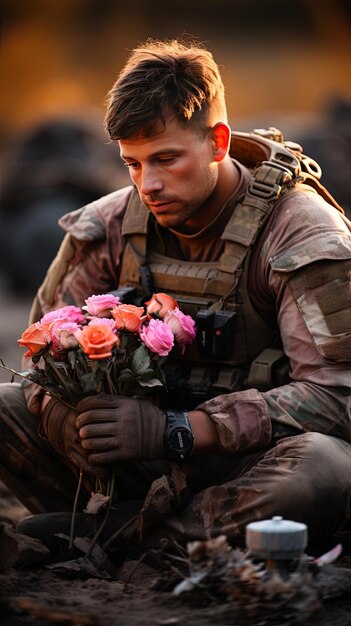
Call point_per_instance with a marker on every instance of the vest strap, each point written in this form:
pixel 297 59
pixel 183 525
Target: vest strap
pixel 266 186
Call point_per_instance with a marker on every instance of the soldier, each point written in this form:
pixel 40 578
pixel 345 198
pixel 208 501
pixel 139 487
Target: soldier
pixel 257 417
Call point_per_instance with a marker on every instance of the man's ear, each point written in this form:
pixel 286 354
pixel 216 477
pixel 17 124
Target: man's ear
pixel 221 137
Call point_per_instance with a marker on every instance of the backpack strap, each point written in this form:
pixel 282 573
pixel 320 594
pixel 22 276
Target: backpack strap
pixel 269 144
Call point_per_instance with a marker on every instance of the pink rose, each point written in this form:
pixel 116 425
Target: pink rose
pixel 62 334
pixel 182 327
pixel 68 313
pixel 158 337
pixel 94 321
pixel 160 304
pixel 100 306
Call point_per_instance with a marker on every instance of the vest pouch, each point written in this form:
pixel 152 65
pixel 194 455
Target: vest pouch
pixel 187 388
pixel 223 334
pixel 215 333
pixel 228 381
pixel 215 330
pixel 204 383
pixel 270 369
pixel 197 388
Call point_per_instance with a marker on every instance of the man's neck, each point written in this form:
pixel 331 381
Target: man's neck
pixel 227 183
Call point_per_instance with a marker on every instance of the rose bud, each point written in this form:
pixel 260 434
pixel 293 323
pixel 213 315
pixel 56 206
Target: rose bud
pixel 160 304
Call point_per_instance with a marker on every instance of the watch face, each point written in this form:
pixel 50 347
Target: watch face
pixel 180 440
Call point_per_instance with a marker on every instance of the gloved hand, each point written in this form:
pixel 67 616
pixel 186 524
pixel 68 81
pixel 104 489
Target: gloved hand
pixel 114 428
pixel 59 426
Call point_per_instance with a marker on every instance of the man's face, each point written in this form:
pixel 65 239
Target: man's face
pixel 175 174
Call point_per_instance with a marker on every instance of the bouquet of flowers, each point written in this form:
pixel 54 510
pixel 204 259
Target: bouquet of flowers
pixel 105 346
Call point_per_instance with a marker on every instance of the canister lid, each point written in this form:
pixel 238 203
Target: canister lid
pixel 276 538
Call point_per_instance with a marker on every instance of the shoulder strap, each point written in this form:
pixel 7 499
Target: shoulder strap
pixel 276 167
pixel 267 185
pixel 134 226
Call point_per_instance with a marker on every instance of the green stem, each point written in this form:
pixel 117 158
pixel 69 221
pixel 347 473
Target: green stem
pixel 98 484
pixel 51 363
pixel 110 489
pixel 74 512
pixel 60 377
pixel 109 383
pixel 46 389
pixel 112 483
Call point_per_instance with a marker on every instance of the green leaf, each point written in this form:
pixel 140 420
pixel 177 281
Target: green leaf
pixel 81 357
pixel 72 357
pixel 124 340
pixel 125 376
pixel 88 382
pixel 140 360
pixel 152 382
pixel 62 367
pixel 147 374
pixel 32 375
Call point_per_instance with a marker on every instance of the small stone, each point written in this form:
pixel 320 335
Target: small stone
pixel 18 551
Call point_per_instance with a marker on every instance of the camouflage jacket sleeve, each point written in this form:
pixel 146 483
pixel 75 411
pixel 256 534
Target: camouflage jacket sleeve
pixel 87 263
pixel 305 268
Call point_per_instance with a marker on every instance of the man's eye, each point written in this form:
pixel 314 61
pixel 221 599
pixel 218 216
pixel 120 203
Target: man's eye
pixel 134 165
pixel 166 159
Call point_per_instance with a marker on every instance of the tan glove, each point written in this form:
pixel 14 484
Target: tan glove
pixel 59 426
pixel 114 428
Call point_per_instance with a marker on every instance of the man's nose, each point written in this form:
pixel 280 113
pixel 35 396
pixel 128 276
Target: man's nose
pixel 150 182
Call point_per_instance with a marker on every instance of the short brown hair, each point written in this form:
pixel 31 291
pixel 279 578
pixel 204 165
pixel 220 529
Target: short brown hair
pixel 161 77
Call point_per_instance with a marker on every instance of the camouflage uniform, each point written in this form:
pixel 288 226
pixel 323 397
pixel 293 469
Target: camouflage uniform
pixel 286 450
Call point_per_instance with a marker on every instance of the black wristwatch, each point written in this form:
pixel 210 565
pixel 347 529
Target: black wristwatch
pixel 179 437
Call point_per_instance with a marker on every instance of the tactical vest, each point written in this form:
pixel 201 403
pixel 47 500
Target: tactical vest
pixel 235 348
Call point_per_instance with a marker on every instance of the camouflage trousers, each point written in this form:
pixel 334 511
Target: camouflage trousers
pixel 304 478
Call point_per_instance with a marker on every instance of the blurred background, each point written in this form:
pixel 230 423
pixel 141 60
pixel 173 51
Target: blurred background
pixel 285 63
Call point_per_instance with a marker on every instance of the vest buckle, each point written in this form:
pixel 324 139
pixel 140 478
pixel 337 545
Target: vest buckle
pixel 264 190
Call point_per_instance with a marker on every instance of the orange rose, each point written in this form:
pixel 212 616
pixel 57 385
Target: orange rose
pixel 35 338
pixel 97 341
pixel 128 317
pixel 160 304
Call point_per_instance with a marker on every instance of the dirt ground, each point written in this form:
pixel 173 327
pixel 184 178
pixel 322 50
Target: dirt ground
pixel 32 594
